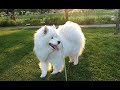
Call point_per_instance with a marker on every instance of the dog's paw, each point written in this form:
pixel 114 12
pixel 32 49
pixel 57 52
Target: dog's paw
pixel 42 76
pixel 75 63
pixel 71 62
pixel 61 70
pixel 54 72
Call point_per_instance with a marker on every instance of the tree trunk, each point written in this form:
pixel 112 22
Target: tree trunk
pixel 66 15
pixel 13 14
pixel 117 23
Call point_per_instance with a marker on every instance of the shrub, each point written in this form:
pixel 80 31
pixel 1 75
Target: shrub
pixel 7 22
pixel 33 21
pixel 83 21
pixel 104 20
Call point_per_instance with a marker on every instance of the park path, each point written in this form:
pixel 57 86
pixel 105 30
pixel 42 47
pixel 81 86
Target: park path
pixel 100 25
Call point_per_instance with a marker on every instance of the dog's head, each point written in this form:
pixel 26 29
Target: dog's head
pixel 50 37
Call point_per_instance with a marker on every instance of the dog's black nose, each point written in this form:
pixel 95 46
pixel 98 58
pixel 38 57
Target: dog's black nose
pixel 58 42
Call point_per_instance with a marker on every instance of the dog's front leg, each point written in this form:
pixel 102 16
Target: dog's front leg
pixel 43 69
pixel 55 69
pixel 58 66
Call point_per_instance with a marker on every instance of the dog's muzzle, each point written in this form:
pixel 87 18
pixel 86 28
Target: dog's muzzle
pixel 54 46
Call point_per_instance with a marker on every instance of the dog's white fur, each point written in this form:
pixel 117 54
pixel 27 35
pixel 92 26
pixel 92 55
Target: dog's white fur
pixel 72 44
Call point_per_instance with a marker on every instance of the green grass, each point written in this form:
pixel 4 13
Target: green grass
pixel 99 61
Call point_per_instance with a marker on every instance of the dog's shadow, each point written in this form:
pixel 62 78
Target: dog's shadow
pixel 54 77
pixel 61 75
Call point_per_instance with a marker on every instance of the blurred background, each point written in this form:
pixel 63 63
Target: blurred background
pixel 23 17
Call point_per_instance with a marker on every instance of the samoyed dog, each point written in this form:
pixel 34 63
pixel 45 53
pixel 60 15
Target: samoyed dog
pixel 52 45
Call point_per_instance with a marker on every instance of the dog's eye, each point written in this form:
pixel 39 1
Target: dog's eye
pixel 51 37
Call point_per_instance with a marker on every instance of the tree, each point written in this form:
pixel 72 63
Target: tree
pixel 117 23
pixel 42 11
pixel 66 14
pixel 12 14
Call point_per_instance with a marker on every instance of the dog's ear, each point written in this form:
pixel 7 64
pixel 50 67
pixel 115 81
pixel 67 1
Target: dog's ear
pixel 45 29
pixel 54 26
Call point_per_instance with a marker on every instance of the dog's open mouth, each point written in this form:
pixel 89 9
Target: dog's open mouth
pixel 54 46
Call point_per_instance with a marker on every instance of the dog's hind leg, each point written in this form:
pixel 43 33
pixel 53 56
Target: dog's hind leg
pixel 75 59
pixel 76 55
pixel 71 59
pixel 43 69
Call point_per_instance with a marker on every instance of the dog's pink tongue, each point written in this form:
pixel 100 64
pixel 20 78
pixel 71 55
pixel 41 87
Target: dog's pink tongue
pixel 55 46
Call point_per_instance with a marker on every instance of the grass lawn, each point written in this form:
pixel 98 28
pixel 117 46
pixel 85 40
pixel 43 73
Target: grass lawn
pixel 100 60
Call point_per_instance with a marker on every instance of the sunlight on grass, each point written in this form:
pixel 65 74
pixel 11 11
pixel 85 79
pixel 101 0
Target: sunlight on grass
pixel 7 32
pixel 12 49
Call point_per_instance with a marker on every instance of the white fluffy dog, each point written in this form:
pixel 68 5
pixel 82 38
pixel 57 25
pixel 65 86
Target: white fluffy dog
pixel 51 45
